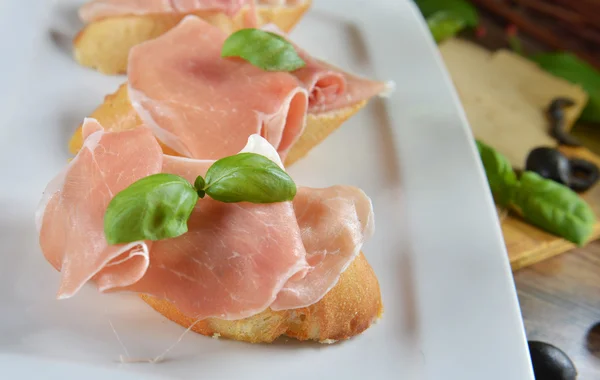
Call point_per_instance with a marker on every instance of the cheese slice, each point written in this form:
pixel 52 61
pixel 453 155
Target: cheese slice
pixel 505 97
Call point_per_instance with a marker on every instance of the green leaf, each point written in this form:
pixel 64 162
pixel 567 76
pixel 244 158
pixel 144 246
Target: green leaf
pixel 266 50
pixel 153 208
pixel 460 10
pixel 249 177
pixel 571 68
pixel 444 25
pixel 554 208
pixel 500 174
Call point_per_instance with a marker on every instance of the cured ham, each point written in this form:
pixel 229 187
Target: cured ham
pixel 99 9
pixel 204 106
pixel 235 261
pixel 331 242
pixel 330 88
pixel 71 217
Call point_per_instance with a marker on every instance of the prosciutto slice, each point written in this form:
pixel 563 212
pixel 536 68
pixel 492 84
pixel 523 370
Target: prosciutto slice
pixel 330 88
pixel 236 260
pixel 71 215
pixel 331 242
pixel 204 106
pixel 99 9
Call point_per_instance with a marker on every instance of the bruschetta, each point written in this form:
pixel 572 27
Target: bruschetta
pixel 245 271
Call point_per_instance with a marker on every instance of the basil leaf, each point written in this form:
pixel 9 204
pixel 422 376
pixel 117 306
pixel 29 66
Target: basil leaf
pixel 500 174
pixel 459 9
pixel 571 68
pixel 266 50
pixel 443 25
pixel 153 208
pixel 554 207
pixel 248 177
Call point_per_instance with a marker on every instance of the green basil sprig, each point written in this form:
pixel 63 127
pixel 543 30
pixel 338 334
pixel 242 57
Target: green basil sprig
pixel 445 18
pixel 158 206
pixel 554 207
pixel 444 25
pixel 539 201
pixel 266 50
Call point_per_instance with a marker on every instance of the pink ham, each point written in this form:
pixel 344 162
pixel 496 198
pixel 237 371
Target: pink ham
pixel 71 216
pixel 236 259
pixel 334 222
pixel 330 88
pixel 99 9
pixel 204 106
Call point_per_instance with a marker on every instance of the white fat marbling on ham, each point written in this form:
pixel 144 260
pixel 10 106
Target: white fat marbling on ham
pixel 235 261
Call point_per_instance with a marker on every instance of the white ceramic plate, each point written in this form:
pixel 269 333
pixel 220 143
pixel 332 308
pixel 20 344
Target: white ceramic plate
pixel 450 305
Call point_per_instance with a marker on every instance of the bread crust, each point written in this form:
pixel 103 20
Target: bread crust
pixel 117 114
pixel 104 45
pixel 346 311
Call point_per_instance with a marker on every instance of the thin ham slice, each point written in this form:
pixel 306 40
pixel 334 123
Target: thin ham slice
pixel 203 106
pixel 236 259
pixel 99 9
pixel 334 223
pixel 71 215
pixel 329 87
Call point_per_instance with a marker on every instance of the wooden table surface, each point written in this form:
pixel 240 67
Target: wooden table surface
pixel 560 302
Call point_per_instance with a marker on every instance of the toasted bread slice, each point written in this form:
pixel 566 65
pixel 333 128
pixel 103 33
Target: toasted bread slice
pixel 104 45
pixel 117 114
pixel 347 310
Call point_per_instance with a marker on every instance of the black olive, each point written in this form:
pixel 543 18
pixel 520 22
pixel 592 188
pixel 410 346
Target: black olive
pixel 549 163
pixel 584 174
pixel 557 105
pixel 556 114
pixel 576 173
pixel 550 363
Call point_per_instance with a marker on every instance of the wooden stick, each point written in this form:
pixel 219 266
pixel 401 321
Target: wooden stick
pixel 545 36
pixel 583 7
pixel 552 10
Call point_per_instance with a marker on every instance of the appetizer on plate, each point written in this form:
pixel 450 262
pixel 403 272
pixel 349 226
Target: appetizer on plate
pixel 203 93
pixel 113 27
pixel 228 247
